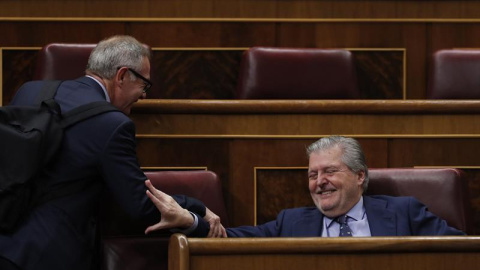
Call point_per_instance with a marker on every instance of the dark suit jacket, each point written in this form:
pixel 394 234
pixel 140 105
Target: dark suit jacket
pixel 101 150
pixel 387 216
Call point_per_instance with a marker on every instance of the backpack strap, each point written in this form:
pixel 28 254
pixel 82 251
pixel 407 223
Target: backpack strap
pixel 71 117
pixel 48 91
pixel 86 111
pixel 76 115
pixel 58 191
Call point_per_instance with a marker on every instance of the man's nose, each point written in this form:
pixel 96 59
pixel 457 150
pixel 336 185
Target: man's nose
pixel 321 180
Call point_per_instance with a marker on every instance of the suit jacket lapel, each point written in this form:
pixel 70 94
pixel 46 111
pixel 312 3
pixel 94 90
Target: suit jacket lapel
pixel 382 221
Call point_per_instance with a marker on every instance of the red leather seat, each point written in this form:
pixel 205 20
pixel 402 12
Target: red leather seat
pixel 62 61
pixel 444 191
pixel 455 74
pixel 124 245
pixel 294 73
pixel 203 185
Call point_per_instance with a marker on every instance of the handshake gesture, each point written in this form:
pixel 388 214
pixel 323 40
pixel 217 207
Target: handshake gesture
pixel 174 216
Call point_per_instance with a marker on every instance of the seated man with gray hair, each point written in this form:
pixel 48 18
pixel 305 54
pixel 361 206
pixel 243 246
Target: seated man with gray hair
pixel 338 178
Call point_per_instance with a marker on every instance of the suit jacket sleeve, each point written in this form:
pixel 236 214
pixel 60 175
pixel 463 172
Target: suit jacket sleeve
pixel 269 229
pixel 126 181
pixel 423 222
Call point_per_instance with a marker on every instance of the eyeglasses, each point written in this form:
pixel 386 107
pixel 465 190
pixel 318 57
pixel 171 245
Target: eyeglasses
pixel 148 83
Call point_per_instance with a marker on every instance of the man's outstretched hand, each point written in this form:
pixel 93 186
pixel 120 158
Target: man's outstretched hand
pixel 173 215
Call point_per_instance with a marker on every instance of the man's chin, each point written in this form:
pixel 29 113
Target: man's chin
pixel 327 206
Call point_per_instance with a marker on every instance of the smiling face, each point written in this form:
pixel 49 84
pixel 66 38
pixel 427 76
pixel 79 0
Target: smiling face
pixel 334 188
pixel 127 89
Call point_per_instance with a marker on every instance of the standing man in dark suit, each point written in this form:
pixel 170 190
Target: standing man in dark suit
pixel 338 177
pixel 100 152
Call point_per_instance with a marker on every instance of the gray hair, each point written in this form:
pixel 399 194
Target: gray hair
pixel 352 153
pixel 115 52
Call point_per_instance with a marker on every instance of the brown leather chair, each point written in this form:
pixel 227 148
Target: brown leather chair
pixel 62 61
pixel 444 191
pixel 454 74
pixel 294 73
pixel 124 245
pixel 203 185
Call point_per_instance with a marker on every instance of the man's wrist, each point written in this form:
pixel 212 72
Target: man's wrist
pixel 189 229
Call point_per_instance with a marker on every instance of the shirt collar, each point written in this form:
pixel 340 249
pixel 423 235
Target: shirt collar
pixel 357 213
pixel 101 85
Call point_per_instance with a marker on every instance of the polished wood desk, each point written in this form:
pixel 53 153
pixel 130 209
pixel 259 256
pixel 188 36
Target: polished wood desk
pixel 257 147
pixel 305 118
pixel 392 253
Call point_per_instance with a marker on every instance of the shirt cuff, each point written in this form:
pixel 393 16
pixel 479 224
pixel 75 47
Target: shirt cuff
pixel 191 228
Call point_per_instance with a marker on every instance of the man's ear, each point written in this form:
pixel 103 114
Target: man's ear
pixel 361 177
pixel 121 74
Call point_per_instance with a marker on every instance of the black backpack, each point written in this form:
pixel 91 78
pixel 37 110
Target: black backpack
pixel 30 137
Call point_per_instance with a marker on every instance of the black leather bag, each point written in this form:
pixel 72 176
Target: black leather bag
pixel 30 137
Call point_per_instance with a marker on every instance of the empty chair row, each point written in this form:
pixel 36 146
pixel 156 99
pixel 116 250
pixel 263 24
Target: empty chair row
pixel 294 73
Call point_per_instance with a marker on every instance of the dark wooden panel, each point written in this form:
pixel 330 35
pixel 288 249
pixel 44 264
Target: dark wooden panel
pixel 31 33
pixel 242 9
pixel 341 253
pixel 195 74
pixel 18 67
pixel 278 189
pixel 434 152
pixel 204 34
pixel 380 74
pixel 453 35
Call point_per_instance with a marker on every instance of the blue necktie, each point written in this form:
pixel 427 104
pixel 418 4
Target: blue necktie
pixel 345 231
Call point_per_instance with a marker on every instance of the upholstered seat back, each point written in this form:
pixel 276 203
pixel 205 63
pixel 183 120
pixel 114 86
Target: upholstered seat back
pixel 444 191
pixel 202 185
pixel 123 243
pixel 293 73
pixel 455 74
pixel 62 61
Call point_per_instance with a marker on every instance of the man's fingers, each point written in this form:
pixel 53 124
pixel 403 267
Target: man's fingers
pixel 210 233
pixel 155 200
pixel 222 232
pixel 155 227
pixel 161 196
pixel 149 184
pixel 217 230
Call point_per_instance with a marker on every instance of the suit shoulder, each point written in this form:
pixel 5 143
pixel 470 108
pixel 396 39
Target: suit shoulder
pixel 300 211
pixel 400 202
pixel 392 198
pixel 111 120
pixel 27 92
pixel 31 86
